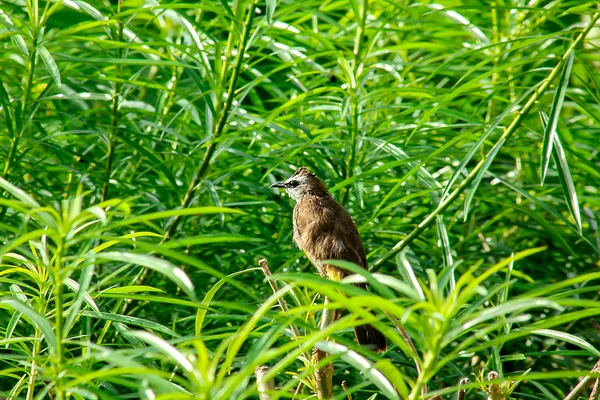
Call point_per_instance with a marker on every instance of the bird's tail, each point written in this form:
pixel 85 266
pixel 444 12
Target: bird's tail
pixel 369 336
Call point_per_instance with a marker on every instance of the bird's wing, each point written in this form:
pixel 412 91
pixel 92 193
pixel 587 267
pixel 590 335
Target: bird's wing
pixel 353 246
pixel 325 231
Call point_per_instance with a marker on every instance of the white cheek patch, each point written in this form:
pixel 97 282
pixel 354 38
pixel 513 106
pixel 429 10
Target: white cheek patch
pixel 294 193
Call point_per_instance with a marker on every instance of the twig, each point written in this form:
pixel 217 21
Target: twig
pixel 298 389
pixel 595 390
pixel 595 324
pixel 264 265
pixel 584 383
pixel 264 387
pixel 323 375
pixel 409 342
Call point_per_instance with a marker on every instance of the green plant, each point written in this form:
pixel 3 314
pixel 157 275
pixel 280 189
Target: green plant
pixel 138 142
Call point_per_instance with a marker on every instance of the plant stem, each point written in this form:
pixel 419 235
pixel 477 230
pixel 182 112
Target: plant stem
pixel 508 133
pixel 584 383
pixel 203 169
pixel 114 118
pixel 58 322
pixel 324 375
pixel 264 265
pixel 409 342
pixel 14 143
pixel 358 45
pixel 33 370
pixel 264 387
pixel 353 146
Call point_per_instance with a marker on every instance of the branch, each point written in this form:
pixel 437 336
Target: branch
pixel 584 383
pixel 409 342
pixel 324 374
pixel 508 133
pixel 203 169
pixel 264 265
pixel 264 387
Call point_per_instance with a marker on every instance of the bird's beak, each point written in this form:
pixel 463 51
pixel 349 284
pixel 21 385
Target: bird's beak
pixel 278 185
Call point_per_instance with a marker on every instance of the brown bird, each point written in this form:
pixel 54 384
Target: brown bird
pixel 324 230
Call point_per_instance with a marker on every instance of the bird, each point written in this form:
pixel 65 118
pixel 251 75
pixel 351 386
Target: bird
pixel 324 230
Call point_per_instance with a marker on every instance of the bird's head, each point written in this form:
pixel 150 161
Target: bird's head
pixel 303 182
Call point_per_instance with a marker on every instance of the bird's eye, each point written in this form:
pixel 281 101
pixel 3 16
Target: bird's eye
pixel 292 184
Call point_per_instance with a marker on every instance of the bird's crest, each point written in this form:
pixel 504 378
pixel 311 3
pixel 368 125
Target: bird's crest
pixel 303 171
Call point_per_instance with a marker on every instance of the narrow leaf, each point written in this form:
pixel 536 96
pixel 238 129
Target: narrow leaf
pixel 166 268
pixel 36 318
pixel 408 273
pixel 446 250
pixel 18 193
pixel 566 181
pixel 130 321
pixel 82 295
pixel 50 64
pixel 467 158
pixel 209 296
pixel 486 164
pixel 363 365
pixel 173 213
pixel 167 349
pixel 6 107
pixel 271 5
pixel 567 337
pixel 564 175
pixel 228 10
pixel 557 103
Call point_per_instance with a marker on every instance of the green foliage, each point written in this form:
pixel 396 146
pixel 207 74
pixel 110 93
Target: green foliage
pixel 138 143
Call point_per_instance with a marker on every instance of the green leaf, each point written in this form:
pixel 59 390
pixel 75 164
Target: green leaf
pixel 353 268
pixel 228 9
pixel 513 306
pixel 18 193
pixel 363 365
pixel 131 289
pixel 486 164
pixel 208 239
pixel 169 350
pixel 130 321
pixel 469 156
pixel 567 337
pixel 557 103
pixel 444 243
pixel 172 213
pixel 564 174
pixel 407 272
pixel 35 318
pixel 201 313
pixel 271 5
pixel 164 267
pixel 6 107
pixel 81 289
pixel 50 64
